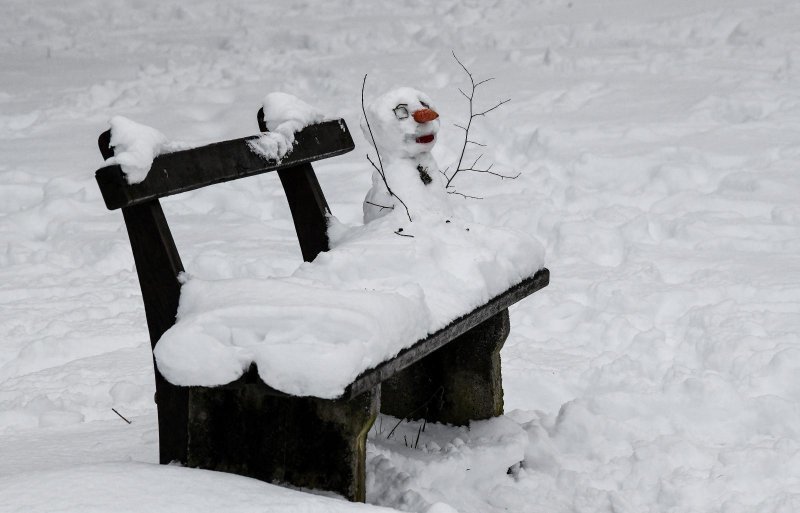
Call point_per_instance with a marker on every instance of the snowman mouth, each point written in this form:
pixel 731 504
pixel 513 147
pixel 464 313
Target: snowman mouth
pixel 425 139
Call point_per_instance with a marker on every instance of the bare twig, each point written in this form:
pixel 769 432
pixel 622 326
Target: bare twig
pixel 472 115
pixel 380 171
pixel 419 431
pixel 490 110
pixel 465 196
pixel 379 206
pixel 488 170
pixel 120 415
pixel 403 234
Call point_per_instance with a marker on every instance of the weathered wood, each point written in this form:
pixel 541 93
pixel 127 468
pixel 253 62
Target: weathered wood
pixel 455 384
pixel 104 142
pixel 309 209
pixel 307 203
pixel 369 378
pixel 304 441
pixel 182 171
pixel 158 265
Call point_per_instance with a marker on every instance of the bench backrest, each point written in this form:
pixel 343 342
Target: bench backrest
pixel 182 171
pixel 158 263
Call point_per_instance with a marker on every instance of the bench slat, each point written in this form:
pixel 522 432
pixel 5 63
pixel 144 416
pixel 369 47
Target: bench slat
pixel 181 171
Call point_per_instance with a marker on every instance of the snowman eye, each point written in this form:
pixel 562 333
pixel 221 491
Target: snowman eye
pixel 424 104
pixel 401 111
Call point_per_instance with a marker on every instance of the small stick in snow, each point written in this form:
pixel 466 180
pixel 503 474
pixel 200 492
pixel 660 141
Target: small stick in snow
pixel 380 171
pixel 120 416
pixel 439 392
pixel 416 442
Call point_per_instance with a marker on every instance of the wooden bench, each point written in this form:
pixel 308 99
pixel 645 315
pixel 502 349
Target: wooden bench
pixel 248 428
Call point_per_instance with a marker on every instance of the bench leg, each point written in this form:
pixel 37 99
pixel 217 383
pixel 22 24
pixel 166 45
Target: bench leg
pixel 455 384
pixel 303 441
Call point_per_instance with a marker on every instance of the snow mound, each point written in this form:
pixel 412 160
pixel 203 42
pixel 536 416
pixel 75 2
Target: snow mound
pixel 381 288
pixel 285 115
pixel 445 468
pixel 136 145
pixel 137 487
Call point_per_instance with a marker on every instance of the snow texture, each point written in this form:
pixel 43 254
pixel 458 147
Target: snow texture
pixel 136 145
pixel 285 115
pixel 136 487
pixel 658 144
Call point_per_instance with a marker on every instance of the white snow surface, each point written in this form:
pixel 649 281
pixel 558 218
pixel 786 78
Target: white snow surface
pixel 658 144
pixel 136 145
pixel 285 115
pixel 136 487
pixel 381 288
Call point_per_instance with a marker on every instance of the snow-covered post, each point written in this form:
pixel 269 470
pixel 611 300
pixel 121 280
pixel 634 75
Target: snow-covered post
pixel 458 383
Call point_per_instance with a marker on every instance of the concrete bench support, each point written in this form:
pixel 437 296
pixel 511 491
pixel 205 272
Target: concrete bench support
pixel 305 441
pixel 457 383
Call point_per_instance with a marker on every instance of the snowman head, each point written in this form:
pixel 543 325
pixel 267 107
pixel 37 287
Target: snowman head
pixel 403 122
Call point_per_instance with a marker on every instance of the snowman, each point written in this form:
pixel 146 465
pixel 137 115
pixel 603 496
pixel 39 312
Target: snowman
pixel 404 126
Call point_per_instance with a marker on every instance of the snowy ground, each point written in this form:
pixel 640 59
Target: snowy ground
pixel 658 143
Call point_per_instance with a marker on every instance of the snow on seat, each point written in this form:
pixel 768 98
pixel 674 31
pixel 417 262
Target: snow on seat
pixel 373 294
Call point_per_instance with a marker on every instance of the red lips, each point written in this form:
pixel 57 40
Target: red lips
pixel 423 116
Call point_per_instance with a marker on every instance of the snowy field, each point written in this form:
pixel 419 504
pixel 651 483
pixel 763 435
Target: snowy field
pixel 658 144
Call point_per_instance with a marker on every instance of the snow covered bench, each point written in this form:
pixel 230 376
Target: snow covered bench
pixel 245 425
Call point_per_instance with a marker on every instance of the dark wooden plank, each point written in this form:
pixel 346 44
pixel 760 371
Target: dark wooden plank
pixel 104 142
pixel 371 377
pixel 309 209
pixel 306 201
pixel 182 171
pixel 158 265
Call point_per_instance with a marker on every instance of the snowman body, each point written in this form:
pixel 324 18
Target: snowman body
pixel 405 126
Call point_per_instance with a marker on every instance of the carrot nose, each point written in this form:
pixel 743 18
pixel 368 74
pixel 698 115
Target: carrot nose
pixel 425 115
